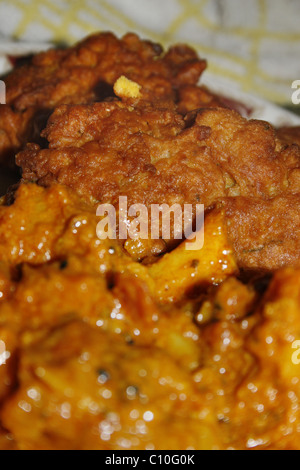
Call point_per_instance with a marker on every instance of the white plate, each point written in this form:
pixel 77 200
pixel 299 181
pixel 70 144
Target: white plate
pixel 260 108
pixel 17 49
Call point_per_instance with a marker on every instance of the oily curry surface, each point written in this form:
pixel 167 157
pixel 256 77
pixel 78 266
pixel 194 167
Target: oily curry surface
pixel 95 355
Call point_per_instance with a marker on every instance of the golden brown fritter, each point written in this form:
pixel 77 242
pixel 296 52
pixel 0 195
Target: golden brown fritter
pixel 86 73
pixel 289 134
pixel 265 234
pixel 77 73
pixel 13 130
pixel 109 149
pixel 154 156
pixel 191 97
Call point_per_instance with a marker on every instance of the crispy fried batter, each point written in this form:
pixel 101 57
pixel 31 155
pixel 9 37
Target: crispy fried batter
pixel 153 156
pixel 86 73
pixel 289 134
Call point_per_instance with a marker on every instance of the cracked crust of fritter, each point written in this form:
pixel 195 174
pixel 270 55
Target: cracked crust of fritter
pixel 154 155
pixel 289 135
pixel 86 73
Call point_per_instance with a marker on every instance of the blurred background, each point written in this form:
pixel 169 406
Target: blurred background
pixel 252 44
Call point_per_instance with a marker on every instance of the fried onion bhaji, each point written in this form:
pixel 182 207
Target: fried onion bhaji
pixel 153 155
pixel 109 344
pixel 289 134
pixel 86 73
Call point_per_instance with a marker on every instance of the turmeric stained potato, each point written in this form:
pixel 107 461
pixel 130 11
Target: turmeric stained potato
pixel 93 357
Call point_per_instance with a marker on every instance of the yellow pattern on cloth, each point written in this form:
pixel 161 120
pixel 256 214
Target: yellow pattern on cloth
pixel 252 43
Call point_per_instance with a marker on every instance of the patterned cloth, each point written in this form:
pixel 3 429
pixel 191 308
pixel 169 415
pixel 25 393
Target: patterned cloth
pixel 254 44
